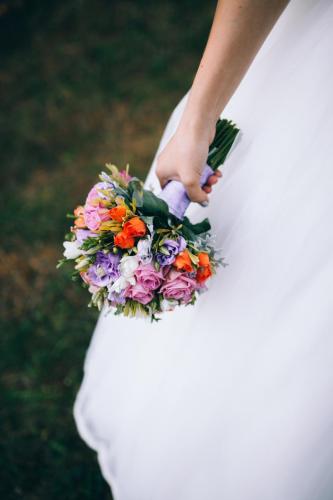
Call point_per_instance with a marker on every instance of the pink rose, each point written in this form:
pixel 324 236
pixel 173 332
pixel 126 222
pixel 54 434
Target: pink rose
pixel 95 194
pixel 139 293
pixel 148 277
pixel 94 211
pixel 94 216
pixel 178 286
pixel 93 197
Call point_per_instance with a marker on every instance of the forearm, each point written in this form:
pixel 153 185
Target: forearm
pixel 238 31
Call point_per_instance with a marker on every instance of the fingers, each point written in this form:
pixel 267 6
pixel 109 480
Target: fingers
pixel 213 179
pixel 194 190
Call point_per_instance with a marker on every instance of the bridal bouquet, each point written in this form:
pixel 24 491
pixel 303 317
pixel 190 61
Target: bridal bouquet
pixel 135 251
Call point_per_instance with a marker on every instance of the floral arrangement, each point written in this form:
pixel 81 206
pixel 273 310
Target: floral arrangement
pixel 134 251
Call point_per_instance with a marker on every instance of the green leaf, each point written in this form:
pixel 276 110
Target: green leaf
pixel 187 233
pixel 154 206
pixel 163 250
pixel 136 190
pixel 147 219
pixel 199 228
pixel 61 262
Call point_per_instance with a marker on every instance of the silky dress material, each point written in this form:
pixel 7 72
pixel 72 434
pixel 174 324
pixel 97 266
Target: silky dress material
pixel 232 399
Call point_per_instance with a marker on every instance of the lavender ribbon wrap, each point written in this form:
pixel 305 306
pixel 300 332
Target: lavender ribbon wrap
pixel 174 194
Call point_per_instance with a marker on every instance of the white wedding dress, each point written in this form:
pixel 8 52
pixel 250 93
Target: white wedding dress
pixel 232 399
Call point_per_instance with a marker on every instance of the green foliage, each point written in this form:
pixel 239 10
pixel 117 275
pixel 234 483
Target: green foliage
pixel 199 228
pixel 136 190
pixel 147 202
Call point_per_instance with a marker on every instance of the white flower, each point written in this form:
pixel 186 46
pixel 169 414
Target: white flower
pixel 128 266
pixel 72 250
pixel 119 285
pixel 144 250
pixel 82 264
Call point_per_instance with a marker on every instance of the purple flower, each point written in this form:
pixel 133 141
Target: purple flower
pixel 83 234
pixel 117 298
pixel 173 248
pixel 105 269
pixel 164 260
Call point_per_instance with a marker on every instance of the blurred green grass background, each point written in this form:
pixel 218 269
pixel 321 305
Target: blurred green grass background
pixel 82 83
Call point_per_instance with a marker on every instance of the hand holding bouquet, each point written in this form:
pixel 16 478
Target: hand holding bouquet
pixel 136 252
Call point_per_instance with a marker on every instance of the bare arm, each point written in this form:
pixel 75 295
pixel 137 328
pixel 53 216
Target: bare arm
pixel 238 31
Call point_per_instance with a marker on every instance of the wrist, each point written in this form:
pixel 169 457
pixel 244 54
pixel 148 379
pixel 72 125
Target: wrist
pixel 198 123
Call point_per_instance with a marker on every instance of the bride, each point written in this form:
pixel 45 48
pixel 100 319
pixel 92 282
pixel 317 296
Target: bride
pixel 232 399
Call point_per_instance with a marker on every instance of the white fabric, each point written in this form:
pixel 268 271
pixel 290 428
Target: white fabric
pixel 232 399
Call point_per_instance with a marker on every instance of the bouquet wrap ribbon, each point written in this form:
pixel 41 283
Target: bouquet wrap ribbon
pixel 174 193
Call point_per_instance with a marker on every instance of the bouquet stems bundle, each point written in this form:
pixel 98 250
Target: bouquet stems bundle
pixel 226 133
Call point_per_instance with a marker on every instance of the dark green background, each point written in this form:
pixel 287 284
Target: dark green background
pixel 82 83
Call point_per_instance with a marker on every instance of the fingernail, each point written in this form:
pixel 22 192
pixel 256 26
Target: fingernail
pixel 204 203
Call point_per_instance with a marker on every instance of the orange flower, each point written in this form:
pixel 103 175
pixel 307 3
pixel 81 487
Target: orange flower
pixel 79 221
pixel 183 262
pixel 205 271
pixel 203 259
pixel 124 240
pixel 118 213
pixel 135 227
pixel 79 211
